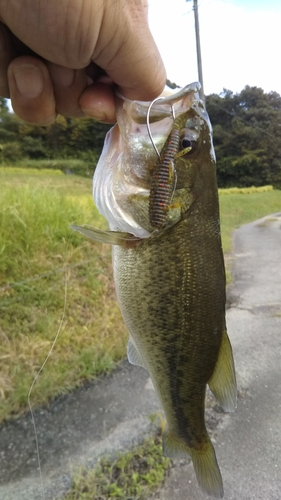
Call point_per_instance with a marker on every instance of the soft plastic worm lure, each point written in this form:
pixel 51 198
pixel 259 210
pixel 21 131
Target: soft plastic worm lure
pixel 163 181
pixel 164 176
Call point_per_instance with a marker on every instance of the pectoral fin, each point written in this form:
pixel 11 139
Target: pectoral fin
pixel 111 237
pixel 133 354
pixel 223 381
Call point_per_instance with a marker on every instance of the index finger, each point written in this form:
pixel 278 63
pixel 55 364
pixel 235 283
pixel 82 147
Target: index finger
pixel 131 59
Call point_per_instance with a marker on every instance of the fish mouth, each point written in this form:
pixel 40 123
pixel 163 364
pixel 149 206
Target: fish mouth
pixel 181 100
pixel 122 180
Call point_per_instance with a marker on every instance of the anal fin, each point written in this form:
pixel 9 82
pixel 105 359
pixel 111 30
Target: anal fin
pixel 223 381
pixel 133 354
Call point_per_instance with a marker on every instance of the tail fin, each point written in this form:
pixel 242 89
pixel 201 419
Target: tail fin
pixel 204 462
pixel 207 470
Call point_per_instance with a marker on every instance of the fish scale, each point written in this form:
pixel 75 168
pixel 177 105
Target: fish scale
pixel 170 283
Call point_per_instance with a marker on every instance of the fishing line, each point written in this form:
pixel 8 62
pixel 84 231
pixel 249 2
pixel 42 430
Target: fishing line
pixel 235 115
pixel 35 380
pixel 44 275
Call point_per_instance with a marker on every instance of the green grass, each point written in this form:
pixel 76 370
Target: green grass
pixel 237 209
pixel 45 178
pixel 39 253
pixel 135 474
pixel 12 171
pixel 248 190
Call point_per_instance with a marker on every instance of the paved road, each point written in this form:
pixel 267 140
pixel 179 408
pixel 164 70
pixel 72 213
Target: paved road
pixel 76 429
pixel 248 442
pixel 113 412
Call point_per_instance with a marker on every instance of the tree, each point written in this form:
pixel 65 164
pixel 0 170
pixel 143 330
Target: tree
pixel 4 109
pixel 247 136
pixel 246 131
pixel 172 85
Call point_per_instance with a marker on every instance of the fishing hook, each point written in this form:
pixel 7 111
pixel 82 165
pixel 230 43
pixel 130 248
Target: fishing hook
pixel 148 126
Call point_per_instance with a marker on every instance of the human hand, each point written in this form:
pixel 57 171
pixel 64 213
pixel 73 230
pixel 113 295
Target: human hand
pixel 65 57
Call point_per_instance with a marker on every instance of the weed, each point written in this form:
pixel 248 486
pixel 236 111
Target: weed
pixel 268 221
pixel 134 475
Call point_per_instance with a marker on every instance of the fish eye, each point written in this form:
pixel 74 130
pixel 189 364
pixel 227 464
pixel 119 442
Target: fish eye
pixel 187 141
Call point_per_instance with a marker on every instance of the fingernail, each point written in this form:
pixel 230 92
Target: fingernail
pixel 29 80
pixel 98 115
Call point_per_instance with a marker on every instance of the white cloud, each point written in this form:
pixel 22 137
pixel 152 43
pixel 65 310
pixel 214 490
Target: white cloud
pixel 240 46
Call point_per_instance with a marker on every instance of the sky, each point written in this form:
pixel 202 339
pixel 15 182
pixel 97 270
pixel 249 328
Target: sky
pixel 240 42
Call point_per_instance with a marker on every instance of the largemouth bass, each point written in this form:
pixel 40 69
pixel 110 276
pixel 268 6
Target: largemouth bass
pixel 168 268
